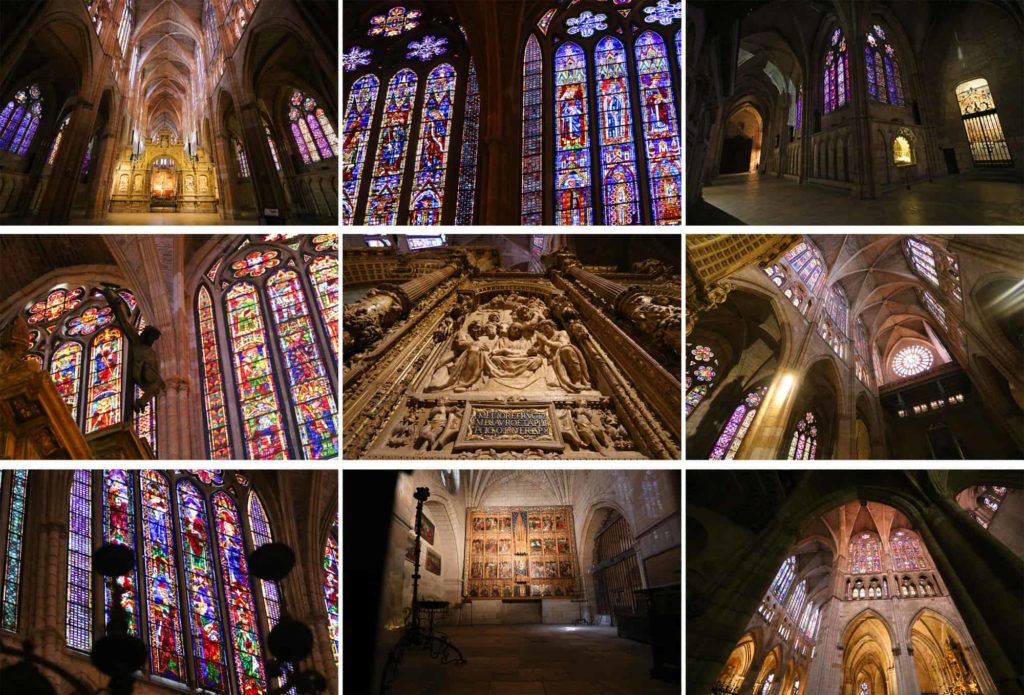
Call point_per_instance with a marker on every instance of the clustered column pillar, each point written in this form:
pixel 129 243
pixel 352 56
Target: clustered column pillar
pixel 663 322
pixel 366 321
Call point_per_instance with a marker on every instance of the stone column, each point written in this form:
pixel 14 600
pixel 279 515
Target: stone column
pixel 906 672
pixel 662 322
pixel 984 579
pixel 365 321
pixel 269 192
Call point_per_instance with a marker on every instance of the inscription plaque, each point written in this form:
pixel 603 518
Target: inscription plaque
pixel 509 427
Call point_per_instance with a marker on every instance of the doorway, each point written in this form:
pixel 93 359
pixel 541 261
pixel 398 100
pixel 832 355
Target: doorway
pixel 616 571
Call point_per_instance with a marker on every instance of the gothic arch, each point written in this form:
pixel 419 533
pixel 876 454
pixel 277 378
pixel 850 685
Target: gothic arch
pixel 868 643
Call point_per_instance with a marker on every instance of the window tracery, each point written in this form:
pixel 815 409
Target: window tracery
pixel 603 132
pixel 739 422
pixel 861 354
pixel 84 355
pixel 701 371
pixel 784 578
pixel 13 544
pixel 981 121
pixel 912 359
pixel 836 73
pixel 865 553
pixel 221 619
pixel 833 326
pixel 804 443
pixel 277 303
pixel 55 147
pixel 796 601
pixel 20 119
pixel 312 130
pixel 411 121
pixel 906 551
pixel 885 77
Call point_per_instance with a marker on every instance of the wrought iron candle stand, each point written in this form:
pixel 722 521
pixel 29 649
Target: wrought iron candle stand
pixel 436 643
pixel 290 641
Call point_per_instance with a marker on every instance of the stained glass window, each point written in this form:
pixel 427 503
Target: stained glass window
pixel 204 610
pixel 396 21
pixel 124 28
pixel 427 196
pixel 885 77
pixel 313 133
pixel 906 551
pixel 736 427
pixel 911 360
pixel 166 647
pixel 119 529
pixel 218 444
pixel 362 101
pixel 15 547
pixel 259 528
pixel 784 578
pixel 812 626
pixel 922 258
pixel 391 150
pixel 20 119
pixel 272 146
pixel 311 392
pixel 661 131
pixel 544 21
pixel 279 304
pixel 330 565
pixel 533 146
pixel 241 606
pixel 796 601
pixel 573 205
pixel 468 161
pixel 804 444
pixel 982 124
pixel 618 153
pixel 241 159
pixel 261 418
pixel 768 682
pixel 701 370
pixel 66 371
pixel 865 553
pixel 55 147
pixel 323 273
pixel 56 304
pixel 861 353
pixel 807 263
pixel 104 399
pixel 90 321
pixel 836 73
pixel 78 623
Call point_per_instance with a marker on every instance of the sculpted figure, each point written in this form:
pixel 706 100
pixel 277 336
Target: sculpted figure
pixel 565 361
pixel 144 363
pixel 568 430
pixel 431 431
pixel 468 367
pixel 590 427
pixel 15 341
pixel 513 355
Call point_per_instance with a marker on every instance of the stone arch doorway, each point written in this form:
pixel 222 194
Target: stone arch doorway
pixel 868 657
pixel 741 146
pixel 738 664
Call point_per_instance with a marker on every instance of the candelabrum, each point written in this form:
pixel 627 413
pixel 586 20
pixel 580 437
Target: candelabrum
pixel 436 643
pixel 119 654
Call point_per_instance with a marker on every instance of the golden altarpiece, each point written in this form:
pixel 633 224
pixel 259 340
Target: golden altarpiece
pixel 452 356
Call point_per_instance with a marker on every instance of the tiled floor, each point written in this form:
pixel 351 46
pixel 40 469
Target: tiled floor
pixel 534 660
pixel 951 200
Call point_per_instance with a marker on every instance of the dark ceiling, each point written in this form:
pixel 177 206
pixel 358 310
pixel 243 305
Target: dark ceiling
pixel 27 257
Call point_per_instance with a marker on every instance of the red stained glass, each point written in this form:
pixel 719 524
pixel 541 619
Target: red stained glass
pixel 256 263
pixel 91 320
pixel 325 242
pixel 56 304
pixel 166 648
pixel 218 444
pixel 119 529
pixel 104 405
pixel 330 565
pixel 323 272
pixel 661 130
pixel 573 205
pixel 254 376
pixel 241 605
pixel 203 607
pixel 66 372
pixel 310 389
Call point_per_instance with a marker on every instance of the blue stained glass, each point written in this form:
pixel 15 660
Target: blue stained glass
pixel 386 184
pixel 119 529
pixel 355 58
pixel 78 616
pixel 358 117
pixel 470 143
pixel 572 142
pixel 661 130
pixel 615 133
pixel 426 48
pixel 665 12
pixel 586 24
pixel 426 200
pixel 167 657
pixel 533 145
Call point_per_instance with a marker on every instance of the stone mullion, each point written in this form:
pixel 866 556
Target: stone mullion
pixel 768 431
pixel 449 189
pixel 225 172
pixel 981 561
pixel 55 206
pixel 860 118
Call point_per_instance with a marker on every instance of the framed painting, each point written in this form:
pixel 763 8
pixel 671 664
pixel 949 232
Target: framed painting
pixel 433 562
pixel 410 548
pixel 427 530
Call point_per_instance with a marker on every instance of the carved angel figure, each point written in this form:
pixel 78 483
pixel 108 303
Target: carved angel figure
pixel 565 362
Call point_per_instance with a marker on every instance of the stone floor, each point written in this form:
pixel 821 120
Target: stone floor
pixel 161 218
pixel 952 200
pixel 534 660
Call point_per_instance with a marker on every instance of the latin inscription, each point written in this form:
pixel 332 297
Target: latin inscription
pixel 509 423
